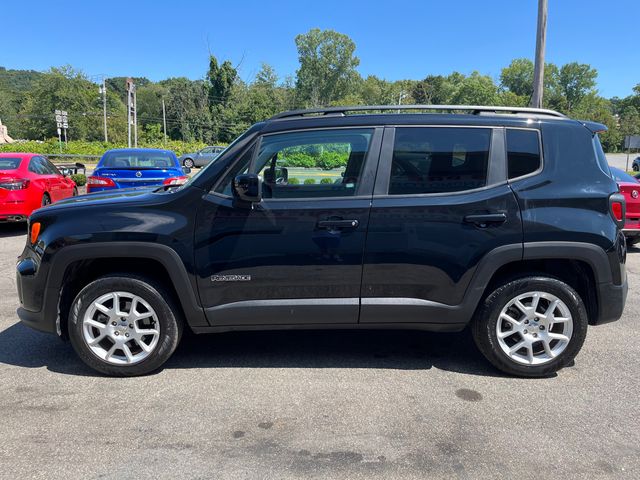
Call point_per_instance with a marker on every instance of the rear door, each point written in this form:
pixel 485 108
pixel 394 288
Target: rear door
pixel 441 204
pixel 296 257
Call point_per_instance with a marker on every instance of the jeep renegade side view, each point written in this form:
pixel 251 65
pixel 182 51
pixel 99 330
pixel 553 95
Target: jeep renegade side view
pixel 505 219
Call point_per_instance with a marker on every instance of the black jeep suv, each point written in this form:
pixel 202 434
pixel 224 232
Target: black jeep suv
pixel 504 219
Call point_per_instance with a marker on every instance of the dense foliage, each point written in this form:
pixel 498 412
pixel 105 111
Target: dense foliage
pixel 218 107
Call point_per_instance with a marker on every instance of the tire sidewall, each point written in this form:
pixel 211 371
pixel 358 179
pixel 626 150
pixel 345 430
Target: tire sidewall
pixel 486 321
pixel 170 330
pixel 188 162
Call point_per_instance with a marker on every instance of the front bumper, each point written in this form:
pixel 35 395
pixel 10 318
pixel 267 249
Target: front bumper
pixel 38 304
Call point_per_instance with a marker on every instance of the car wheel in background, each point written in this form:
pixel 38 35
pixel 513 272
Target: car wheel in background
pixel 531 326
pixel 188 163
pixel 635 168
pixel 124 325
pixel 46 200
pixel 75 192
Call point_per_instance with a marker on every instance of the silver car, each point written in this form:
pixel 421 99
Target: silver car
pixel 200 158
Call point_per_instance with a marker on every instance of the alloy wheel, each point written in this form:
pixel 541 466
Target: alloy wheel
pixel 534 328
pixel 121 328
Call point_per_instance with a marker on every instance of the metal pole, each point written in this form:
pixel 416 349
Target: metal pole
pixel 60 140
pixel 164 121
pixel 65 136
pixel 541 39
pixel 104 108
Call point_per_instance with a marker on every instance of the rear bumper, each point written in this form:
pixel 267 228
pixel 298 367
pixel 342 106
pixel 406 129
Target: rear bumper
pixel 631 232
pixel 612 299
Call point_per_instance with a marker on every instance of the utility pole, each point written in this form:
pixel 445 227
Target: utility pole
pixel 131 112
pixel 135 118
pixel 541 40
pixel 103 90
pixel 164 121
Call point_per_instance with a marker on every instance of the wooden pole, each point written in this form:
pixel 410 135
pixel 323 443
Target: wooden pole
pixel 541 39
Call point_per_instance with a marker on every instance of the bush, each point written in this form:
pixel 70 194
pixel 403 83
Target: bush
pixel 326 180
pixel 309 181
pixel 293 181
pixel 79 178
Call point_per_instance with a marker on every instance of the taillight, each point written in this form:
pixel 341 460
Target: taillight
pixel 35 232
pixel 175 180
pixel 99 182
pixel 617 207
pixel 14 183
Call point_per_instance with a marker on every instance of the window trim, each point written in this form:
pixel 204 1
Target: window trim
pixel 368 174
pixel 506 154
pixel 496 165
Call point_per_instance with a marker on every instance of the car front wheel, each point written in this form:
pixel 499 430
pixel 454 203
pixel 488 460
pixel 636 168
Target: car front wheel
pixel 124 325
pixel 531 326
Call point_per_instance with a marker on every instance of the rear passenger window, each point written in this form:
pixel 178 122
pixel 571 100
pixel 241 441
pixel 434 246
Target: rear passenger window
pixel 523 152
pixel 439 160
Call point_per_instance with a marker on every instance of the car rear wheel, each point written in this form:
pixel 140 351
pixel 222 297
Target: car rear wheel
pixel 75 191
pixel 188 163
pixel 46 200
pixel 124 325
pixel 531 326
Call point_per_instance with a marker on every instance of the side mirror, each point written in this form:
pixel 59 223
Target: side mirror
pixel 248 188
pixel 186 170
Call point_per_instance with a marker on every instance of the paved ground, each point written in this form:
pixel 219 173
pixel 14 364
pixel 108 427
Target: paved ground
pixel 317 405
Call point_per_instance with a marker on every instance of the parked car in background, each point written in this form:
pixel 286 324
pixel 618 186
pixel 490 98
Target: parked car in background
pixel 136 167
pixel 202 157
pixel 630 188
pixel 29 181
pixel 636 164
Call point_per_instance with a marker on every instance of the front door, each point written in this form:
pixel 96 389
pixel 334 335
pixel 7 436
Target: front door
pixel 296 257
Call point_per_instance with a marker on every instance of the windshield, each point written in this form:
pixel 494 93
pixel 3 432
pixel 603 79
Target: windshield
pixel 137 160
pixel 620 176
pixel 9 163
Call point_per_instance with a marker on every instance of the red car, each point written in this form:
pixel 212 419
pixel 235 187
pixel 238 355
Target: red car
pixel 630 188
pixel 29 181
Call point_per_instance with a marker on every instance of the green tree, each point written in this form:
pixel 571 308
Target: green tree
pixel 476 89
pixel 327 66
pixel 575 82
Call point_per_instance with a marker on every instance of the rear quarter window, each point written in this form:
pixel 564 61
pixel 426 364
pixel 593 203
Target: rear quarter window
pixel 523 152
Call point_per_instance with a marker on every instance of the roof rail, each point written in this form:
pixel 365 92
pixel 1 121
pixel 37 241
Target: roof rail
pixel 475 109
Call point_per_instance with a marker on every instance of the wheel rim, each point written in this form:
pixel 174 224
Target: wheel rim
pixel 45 200
pixel 188 163
pixel 121 328
pixel 534 328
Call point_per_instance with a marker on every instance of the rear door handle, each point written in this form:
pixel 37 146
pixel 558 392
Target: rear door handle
pixel 338 224
pixel 484 219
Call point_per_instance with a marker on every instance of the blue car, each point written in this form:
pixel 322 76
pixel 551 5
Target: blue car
pixel 136 167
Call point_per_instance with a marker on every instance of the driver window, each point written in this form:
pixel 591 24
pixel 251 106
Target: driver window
pixel 321 163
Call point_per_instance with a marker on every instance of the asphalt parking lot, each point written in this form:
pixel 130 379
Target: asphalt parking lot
pixel 317 405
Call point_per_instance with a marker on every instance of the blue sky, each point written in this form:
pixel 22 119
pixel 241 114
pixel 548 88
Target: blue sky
pixel 395 39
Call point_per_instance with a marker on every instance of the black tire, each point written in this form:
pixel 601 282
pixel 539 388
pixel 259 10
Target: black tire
pixel 75 192
pixel 631 241
pixel 635 168
pixel 171 324
pixel 46 199
pixel 485 322
pixel 188 162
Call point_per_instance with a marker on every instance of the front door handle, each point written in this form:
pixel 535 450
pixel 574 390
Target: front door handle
pixel 338 224
pixel 484 219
